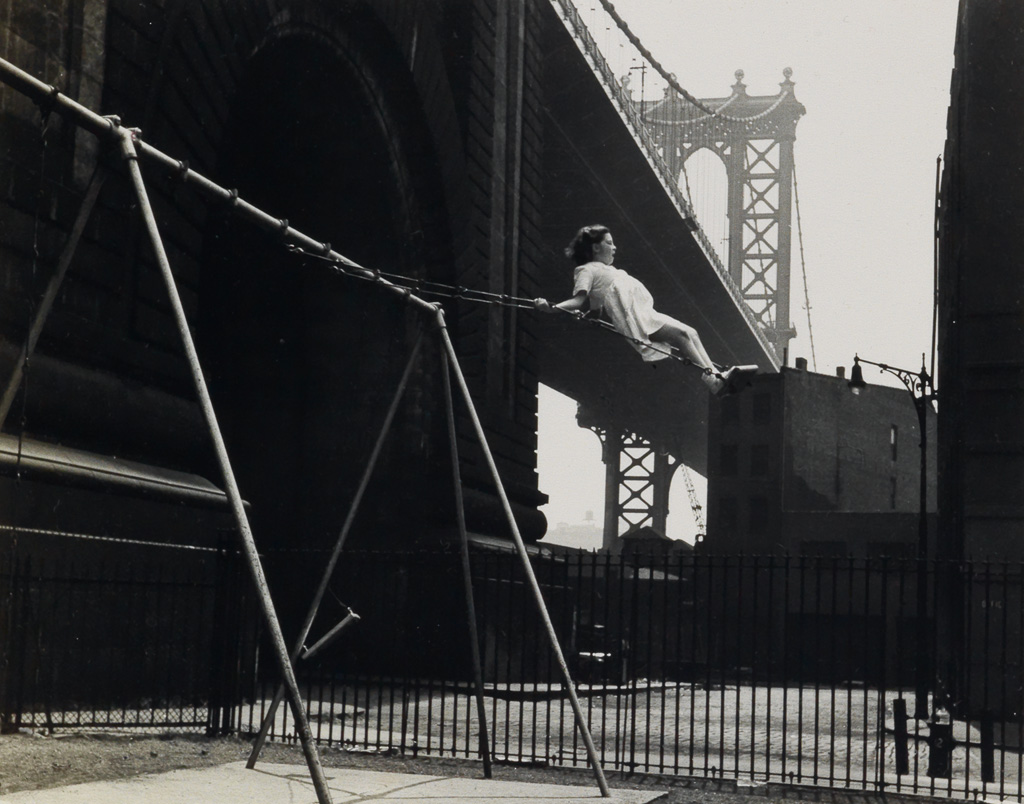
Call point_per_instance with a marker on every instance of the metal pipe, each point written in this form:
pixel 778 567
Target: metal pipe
pixel 231 487
pixel 332 562
pixel 467 576
pixel 50 295
pixel 48 96
pixel 924 663
pixel 350 619
pixel 538 596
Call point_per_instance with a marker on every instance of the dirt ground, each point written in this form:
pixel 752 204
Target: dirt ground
pixel 33 761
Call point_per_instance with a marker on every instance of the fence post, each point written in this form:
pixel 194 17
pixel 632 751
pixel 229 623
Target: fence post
pixel 940 746
pixel 15 679
pixel 987 734
pixel 8 594
pixel 899 724
pixel 219 653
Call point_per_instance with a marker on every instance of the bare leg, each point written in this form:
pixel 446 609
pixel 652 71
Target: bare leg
pixel 687 341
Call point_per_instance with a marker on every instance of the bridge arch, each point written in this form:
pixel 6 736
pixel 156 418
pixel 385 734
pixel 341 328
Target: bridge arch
pixel 703 175
pixel 326 126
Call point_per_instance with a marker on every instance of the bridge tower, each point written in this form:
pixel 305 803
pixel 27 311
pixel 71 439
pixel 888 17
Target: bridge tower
pixel 637 479
pixel 753 135
pixel 638 475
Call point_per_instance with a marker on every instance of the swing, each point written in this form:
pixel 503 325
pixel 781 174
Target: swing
pixel 735 378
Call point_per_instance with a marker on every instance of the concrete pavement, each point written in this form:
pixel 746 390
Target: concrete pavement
pixel 275 784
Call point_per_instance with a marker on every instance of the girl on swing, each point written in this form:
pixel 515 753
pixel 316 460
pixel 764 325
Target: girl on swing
pixel 628 305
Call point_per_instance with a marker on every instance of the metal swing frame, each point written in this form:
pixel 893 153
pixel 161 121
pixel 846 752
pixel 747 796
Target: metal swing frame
pixel 131 147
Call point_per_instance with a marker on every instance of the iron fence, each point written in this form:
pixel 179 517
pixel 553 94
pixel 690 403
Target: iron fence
pixel 127 635
pixel 769 670
pixel 793 670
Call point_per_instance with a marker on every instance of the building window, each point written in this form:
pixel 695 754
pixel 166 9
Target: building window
pixel 893 440
pixel 728 460
pixel 730 409
pixel 762 409
pixel 759 460
pixel 758 515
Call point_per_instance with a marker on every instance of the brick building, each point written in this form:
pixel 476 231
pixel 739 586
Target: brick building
pixel 981 365
pixel 800 465
pixel 981 291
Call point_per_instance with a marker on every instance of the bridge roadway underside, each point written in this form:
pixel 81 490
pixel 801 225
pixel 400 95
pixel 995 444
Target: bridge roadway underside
pixel 595 172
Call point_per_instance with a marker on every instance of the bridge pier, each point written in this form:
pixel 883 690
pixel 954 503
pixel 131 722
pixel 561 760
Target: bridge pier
pixel 638 477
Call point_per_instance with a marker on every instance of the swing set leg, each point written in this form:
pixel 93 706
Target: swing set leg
pixel 316 770
pixel 581 724
pixel 467 575
pixel 318 597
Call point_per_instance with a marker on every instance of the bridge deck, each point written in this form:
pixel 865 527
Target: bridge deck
pixel 597 172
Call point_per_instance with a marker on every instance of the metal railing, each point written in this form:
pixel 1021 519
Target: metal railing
pixel 791 670
pixel 771 670
pixel 125 635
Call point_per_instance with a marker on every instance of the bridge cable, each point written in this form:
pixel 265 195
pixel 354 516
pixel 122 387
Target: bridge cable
pixel 686 181
pixel 672 82
pixel 462 293
pixel 803 267
pixel 695 504
pixel 936 246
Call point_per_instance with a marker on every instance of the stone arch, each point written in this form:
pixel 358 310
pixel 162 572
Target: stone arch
pixel 327 128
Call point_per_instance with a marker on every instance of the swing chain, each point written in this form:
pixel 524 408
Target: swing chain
pixel 463 293
pixel 45 109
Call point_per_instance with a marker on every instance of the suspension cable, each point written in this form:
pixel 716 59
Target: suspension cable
pixel 803 267
pixel 686 181
pixel 672 82
pixel 936 234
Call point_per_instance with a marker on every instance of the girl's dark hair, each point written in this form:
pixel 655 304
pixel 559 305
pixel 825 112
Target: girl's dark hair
pixel 581 249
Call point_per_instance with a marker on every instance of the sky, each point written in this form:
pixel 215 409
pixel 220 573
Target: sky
pixel 874 76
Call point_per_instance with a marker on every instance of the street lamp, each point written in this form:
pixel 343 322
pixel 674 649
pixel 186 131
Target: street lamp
pixel 923 393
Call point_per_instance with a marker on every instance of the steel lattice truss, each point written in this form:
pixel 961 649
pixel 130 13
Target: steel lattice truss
pixel 640 474
pixel 638 467
pixel 755 142
pixel 762 220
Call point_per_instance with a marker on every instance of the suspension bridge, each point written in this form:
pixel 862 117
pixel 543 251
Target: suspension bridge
pixel 618 150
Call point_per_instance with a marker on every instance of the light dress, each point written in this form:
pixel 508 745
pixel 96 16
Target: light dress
pixel 626 303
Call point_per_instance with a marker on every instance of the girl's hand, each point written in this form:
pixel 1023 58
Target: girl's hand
pixel 543 305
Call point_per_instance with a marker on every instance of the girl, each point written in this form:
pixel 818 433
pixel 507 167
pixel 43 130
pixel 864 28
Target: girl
pixel 628 305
